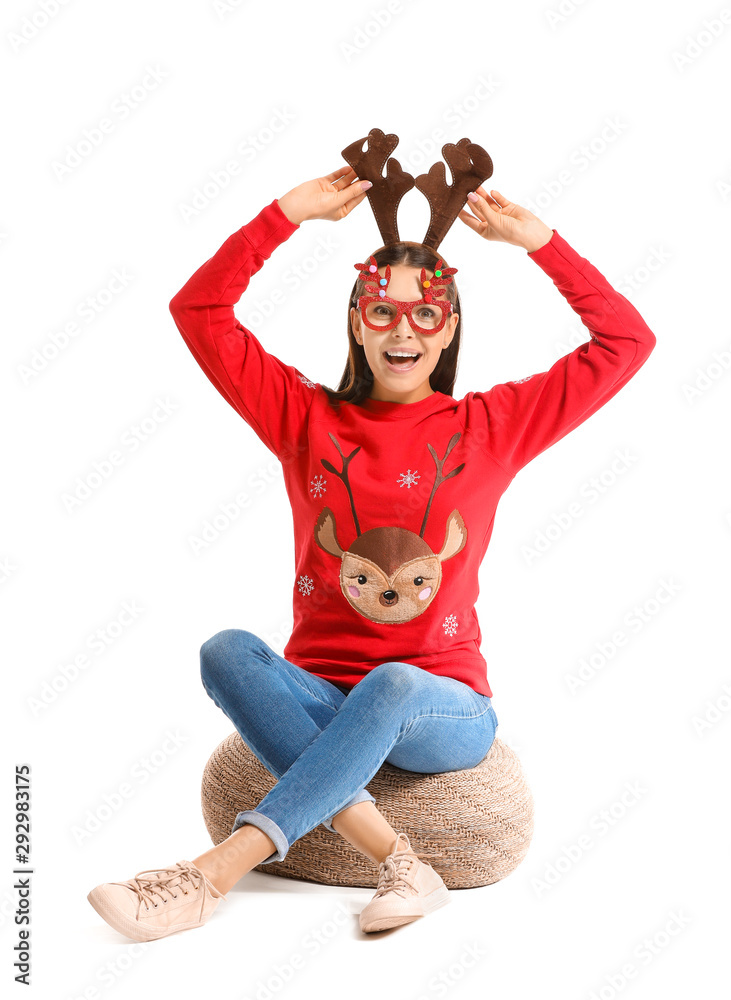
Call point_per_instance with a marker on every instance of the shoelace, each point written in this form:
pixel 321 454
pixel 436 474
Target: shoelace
pixel 394 875
pixel 395 872
pixel 161 882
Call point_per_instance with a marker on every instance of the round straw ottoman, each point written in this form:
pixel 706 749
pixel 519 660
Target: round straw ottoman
pixel 473 826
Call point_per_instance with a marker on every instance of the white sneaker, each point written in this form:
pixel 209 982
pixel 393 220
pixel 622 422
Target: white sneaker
pixel 408 888
pixel 157 901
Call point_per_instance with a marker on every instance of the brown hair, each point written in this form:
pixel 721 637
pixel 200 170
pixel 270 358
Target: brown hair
pixel 357 378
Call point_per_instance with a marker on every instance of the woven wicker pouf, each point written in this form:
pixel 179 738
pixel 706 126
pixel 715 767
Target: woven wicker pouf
pixel 474 826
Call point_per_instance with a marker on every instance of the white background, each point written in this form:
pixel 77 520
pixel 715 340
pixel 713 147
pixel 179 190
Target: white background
pixel 625 102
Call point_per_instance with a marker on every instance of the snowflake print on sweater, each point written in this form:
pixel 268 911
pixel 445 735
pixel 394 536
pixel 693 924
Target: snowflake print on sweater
pixel 409 478
pixel 450 625
pixel 317 486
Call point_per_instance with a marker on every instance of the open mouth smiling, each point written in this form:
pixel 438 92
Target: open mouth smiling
pixel 401 360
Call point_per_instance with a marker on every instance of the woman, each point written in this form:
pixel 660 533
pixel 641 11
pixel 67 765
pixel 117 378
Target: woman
pixel 393 485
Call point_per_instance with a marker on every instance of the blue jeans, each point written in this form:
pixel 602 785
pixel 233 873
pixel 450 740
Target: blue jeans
pixel 324 743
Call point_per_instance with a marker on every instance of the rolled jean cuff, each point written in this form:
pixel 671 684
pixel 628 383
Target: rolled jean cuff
pixel 362 796
pixel 267 826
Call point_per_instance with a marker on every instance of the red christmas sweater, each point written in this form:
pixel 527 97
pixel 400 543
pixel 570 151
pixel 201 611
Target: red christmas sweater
pixel 393 504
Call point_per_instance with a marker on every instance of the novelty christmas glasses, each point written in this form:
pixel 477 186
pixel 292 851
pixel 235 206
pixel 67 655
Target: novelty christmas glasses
pixel 427 314
pixel 469 165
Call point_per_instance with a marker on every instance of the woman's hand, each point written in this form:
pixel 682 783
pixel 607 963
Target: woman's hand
pixel 496 218
pixel 331 197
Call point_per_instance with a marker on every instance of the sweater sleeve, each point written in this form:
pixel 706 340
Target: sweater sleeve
pixel 528 415
pixel 271 396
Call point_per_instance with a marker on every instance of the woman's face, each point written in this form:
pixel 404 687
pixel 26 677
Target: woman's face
pixel 410 383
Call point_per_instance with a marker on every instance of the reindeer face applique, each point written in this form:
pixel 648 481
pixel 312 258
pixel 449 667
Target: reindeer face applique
pixel 390 574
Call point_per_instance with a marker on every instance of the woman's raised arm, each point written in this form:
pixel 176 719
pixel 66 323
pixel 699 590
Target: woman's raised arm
pixel 526 416
pixel 271 396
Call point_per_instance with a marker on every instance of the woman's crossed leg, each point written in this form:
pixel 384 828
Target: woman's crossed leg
pixel 325 747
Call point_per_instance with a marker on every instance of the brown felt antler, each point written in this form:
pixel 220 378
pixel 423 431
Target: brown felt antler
pixel 387 192
pixel 344 474
pixel 439 478
pixel 469 164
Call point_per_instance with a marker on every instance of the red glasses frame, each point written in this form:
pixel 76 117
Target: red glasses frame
pixel 376 287
pixel 403 307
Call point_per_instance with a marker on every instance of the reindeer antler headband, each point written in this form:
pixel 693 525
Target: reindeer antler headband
pixel 469 164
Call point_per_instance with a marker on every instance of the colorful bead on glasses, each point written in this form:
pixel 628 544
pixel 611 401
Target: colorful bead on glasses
pixel 442 277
